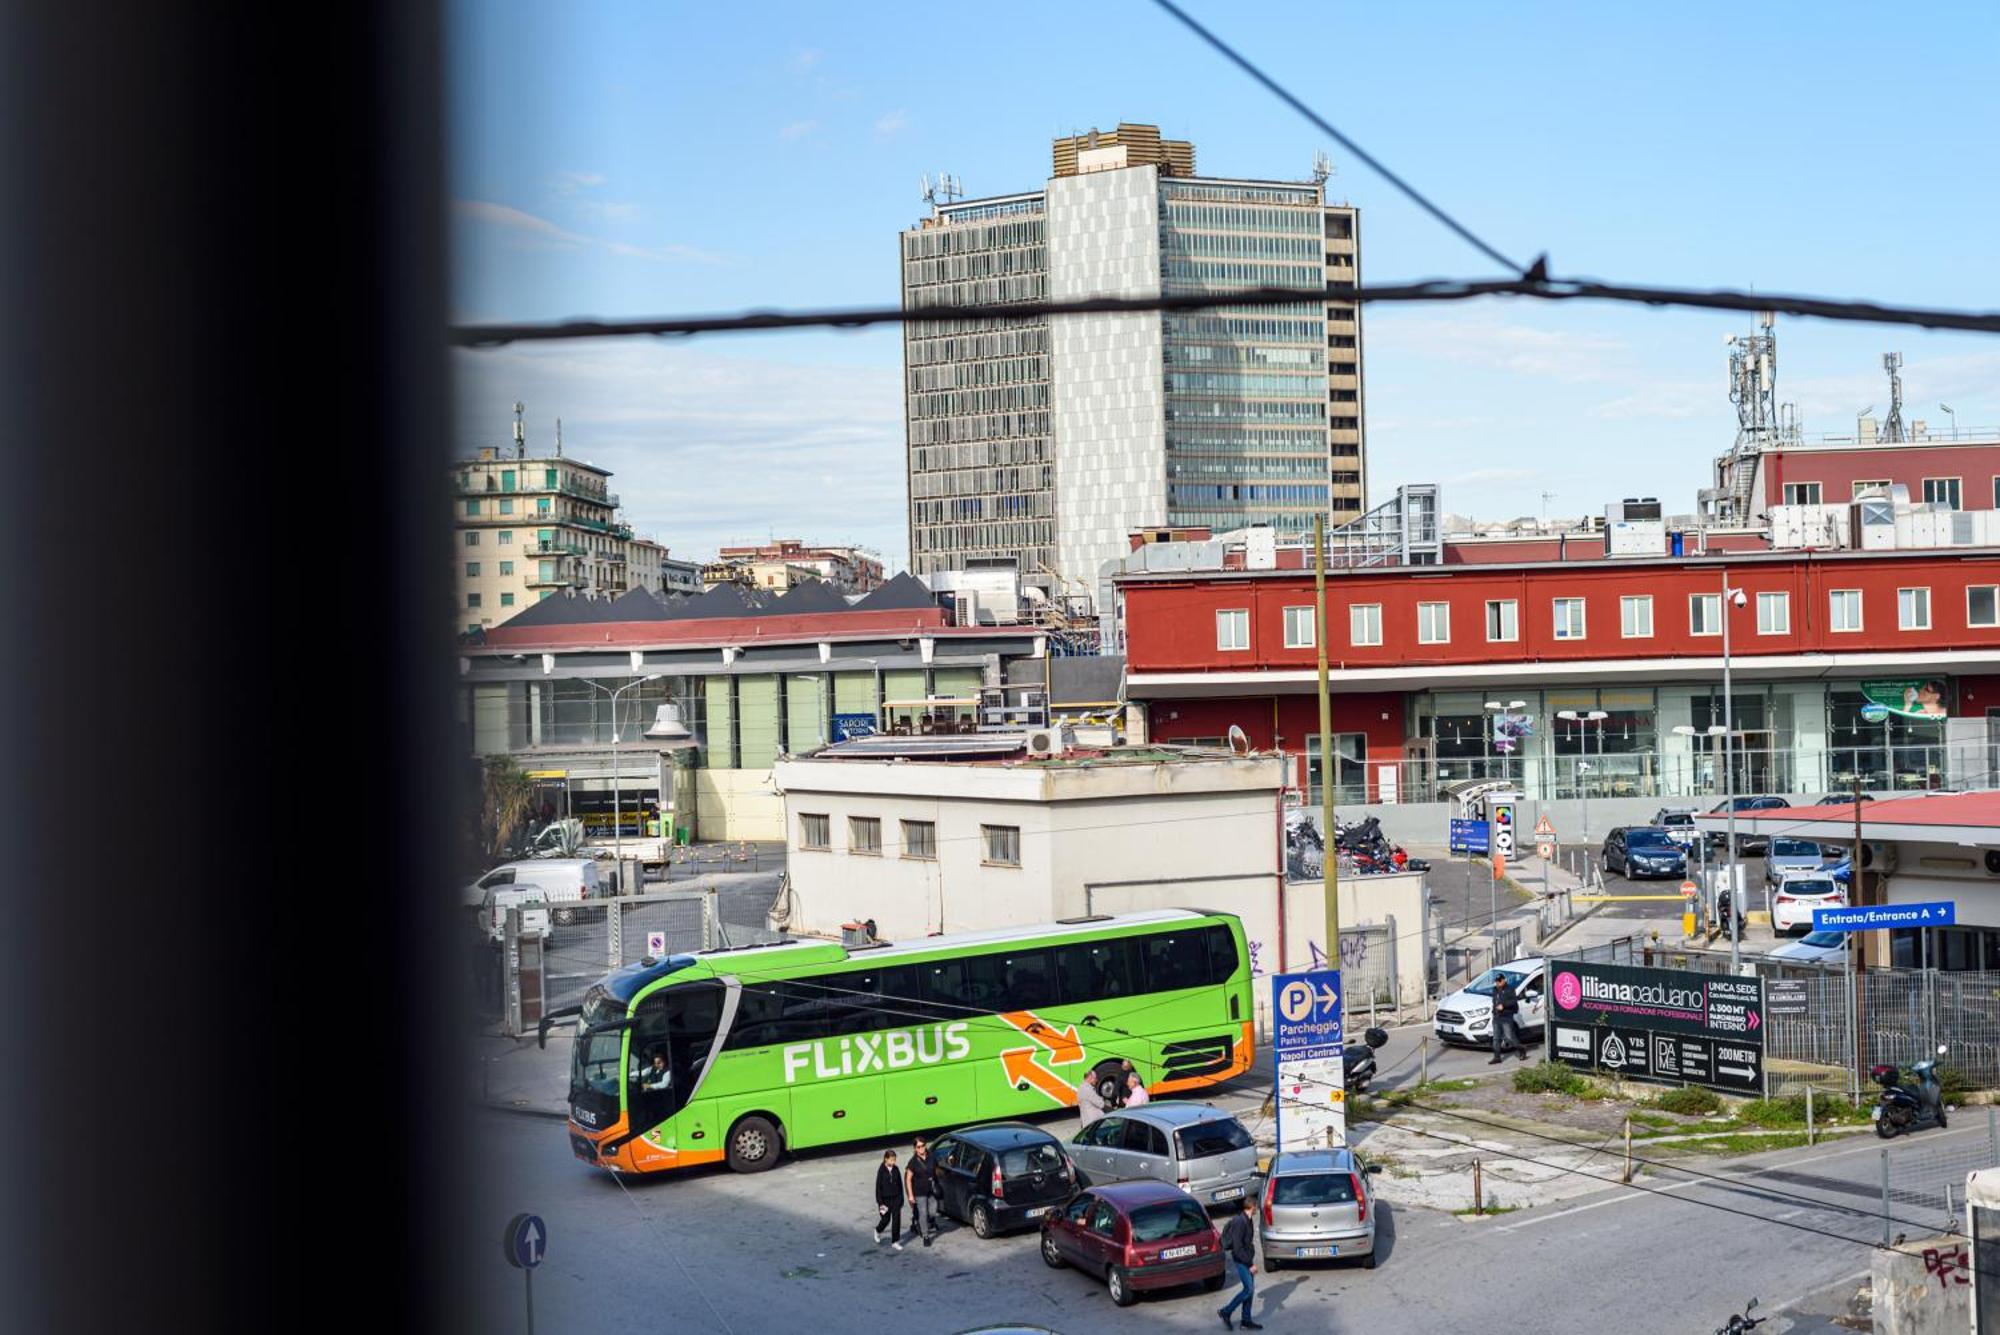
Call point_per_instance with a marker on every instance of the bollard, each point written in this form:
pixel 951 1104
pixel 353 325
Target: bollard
pixel 1628 1151
pixel 1885 1198
pixel 1424 1061
pixel 1479 1193
pixel 1809 1116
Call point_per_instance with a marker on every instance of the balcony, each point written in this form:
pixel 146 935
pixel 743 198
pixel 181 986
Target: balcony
pixel 553 549
pixel 554 580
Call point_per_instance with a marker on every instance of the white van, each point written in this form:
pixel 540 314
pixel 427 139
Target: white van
pixel 562 881
pixel 1466 1016
pixel 494 903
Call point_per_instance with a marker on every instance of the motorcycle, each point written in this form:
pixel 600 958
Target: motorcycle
pixel 1743 1321
pixel 1361 1068
pixel 1724 906
pixel 1903 1108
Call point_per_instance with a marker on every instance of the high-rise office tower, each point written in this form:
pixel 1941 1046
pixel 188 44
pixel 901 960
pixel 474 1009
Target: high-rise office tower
pixel 1048 441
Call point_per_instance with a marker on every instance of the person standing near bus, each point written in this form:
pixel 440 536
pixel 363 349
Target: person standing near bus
pixel 889 1201
pixel 1135 1091
pixel 1089 1102
pixel 921 1181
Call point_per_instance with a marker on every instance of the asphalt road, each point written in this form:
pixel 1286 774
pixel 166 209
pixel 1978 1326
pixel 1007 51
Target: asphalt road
pixel 792 1250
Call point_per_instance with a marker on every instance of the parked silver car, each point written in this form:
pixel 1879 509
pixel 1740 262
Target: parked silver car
pixel 1202 1150
pixel 1791 856
pixel 1317 1206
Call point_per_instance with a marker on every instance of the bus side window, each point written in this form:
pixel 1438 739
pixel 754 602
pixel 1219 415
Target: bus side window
pixel 853 1003
pixel 757 1012
pixel 1027 980
pixel 1221 954
pixel 1175 960
pixel 945 990
pixel 903 1000
pixel 1095 970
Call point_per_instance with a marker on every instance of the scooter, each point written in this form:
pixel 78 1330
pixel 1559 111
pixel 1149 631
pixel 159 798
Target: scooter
pixel 1902 1107
pixel 1361 1066
pixel 1743 1321
pixel 1724 906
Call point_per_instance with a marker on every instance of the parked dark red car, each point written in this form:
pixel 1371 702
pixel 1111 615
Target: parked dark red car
pixel 1137 1236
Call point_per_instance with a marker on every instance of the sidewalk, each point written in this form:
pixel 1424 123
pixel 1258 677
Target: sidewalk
pixel 513 1075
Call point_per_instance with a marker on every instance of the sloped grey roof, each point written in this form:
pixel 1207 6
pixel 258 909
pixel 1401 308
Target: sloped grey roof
pixel 904 591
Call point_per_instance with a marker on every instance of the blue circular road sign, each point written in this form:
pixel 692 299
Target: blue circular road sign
pixel 527 1239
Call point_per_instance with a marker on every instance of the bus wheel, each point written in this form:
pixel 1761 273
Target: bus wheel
pixel 753 1145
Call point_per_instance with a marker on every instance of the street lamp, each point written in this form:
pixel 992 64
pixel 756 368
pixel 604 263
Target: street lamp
pixel 617 792
pixel 1496 708
pixel 1729 801
pixel 1946 408
pixel 1596 716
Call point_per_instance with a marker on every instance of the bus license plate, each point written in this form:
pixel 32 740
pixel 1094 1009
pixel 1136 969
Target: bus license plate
pixel 1039 1211
pixel 1315 1251
pixel 1176 1253
pixel 1228 1193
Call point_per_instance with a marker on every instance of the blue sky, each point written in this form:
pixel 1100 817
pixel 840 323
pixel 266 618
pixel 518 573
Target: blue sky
pixel 623 159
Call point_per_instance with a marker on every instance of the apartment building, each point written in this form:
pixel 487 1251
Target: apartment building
pixel 1048 441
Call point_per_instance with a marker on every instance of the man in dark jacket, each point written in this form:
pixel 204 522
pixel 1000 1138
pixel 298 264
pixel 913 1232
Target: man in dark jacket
pixel 1239 1243
pixel 1506 1031
pixel 924 1190
pixel 889 1201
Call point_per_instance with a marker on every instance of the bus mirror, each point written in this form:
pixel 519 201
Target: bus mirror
pixel 542 1025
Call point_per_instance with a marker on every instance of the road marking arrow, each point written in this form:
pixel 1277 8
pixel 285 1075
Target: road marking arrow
pixel 1022 1068
pixel 1063 1045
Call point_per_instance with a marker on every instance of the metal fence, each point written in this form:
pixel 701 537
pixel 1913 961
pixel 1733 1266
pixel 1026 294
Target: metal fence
pixel 1368 965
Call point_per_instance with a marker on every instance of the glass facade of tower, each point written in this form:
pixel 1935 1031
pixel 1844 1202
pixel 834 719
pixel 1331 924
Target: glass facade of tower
pixel 981 458
pixel 1246 387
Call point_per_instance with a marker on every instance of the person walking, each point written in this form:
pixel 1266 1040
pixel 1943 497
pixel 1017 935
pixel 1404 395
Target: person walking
pixel 1239 1243
pixel 921 1184
pixel 1135 1091
pixel 889 1201
pixel 1089 1101
pixel 1506 1031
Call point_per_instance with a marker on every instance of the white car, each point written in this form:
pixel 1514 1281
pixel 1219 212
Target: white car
pixel 1793 900
pixel 1814 948
pixel 1466 1016
pixel 527 898
pixel 563 882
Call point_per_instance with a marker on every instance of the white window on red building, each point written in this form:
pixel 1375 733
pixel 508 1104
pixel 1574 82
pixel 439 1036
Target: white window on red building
pixel 1705 614
pixel 1503 621
pixel 1941 491
pixel 1232 628
pixel 1774 614
pixel 1635 616
pixel 1871 486
pixel 1844 609
pixel 1982 607
pixel 1433 623
pixel 1299 628
pixel 1364 623
pixel 1569 618
pixel 1802 493
pixel 1913 609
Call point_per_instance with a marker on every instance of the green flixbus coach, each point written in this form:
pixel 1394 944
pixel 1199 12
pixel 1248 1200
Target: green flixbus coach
pixel 736 1055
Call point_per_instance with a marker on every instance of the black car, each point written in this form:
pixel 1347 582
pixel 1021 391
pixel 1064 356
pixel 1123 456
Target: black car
pixel 1002 1175
pixel 1643 850
pixel 1841 799
pixel 1746 841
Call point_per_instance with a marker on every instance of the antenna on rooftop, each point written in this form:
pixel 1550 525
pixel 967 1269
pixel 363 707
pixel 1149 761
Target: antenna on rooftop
pixel 1322 168
pixel 520 431
pixel 559 438
pixel 942 191
pixel 1892 427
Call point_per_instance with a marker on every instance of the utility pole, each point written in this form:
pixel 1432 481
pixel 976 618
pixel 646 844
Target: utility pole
pixel 1330 862
pixel 1736 894
pixel 1858 879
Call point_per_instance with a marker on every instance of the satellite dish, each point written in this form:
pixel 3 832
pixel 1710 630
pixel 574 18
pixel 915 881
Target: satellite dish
pixel 1238 743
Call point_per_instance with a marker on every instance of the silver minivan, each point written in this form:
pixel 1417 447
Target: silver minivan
pixel 1202 1150
pixel 1316 1207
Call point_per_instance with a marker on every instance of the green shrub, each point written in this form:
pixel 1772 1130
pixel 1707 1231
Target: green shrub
pixel 1782 1112
pixel 1552 1078
pixel 1692 1101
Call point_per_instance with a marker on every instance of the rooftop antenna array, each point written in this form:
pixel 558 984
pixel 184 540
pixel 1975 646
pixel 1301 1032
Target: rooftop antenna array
pixel 1322 168
pixel 1892 427
pixel 520 431
pixel 1753 388
pixel 943 190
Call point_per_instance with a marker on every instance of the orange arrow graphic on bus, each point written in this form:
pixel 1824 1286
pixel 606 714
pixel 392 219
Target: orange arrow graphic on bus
pixel 1023 1069
pixel 1063 1046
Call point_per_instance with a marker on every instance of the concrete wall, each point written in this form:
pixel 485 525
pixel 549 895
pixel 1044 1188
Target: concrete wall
pixel 1923 1287
pixel 738 804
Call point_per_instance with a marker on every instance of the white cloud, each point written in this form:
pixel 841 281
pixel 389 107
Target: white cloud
pixel 1483 341
pixel 530 230
pixel 570 183
pixel 893 122
pixel 707 449
pixel 798 129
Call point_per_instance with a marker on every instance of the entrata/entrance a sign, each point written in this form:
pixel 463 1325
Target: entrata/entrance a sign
pixel 1307 1041
pixel 1659 1024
